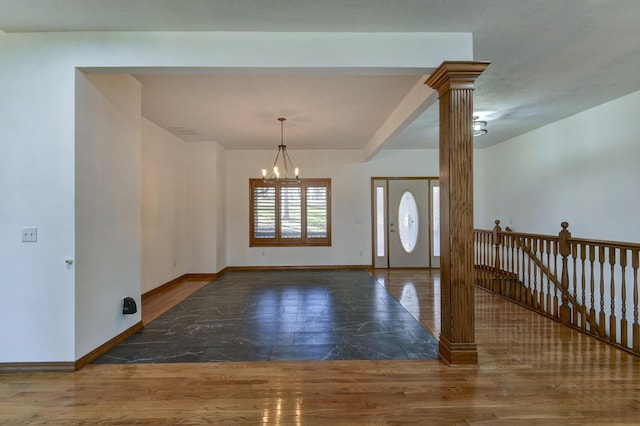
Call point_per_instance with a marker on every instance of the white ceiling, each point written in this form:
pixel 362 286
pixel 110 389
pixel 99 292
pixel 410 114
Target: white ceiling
pixel 549 59
pixel 241 111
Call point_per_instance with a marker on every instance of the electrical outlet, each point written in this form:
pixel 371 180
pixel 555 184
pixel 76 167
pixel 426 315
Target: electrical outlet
pixel 29 234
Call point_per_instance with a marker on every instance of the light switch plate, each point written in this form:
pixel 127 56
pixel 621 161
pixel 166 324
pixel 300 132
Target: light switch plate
pixel 29 234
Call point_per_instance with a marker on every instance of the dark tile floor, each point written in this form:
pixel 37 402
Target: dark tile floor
pixel 281 315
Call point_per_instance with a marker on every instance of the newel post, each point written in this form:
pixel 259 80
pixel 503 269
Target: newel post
pixel 497 241
pixel 565 251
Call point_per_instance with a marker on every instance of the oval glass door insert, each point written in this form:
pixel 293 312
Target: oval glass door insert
pixel 408 222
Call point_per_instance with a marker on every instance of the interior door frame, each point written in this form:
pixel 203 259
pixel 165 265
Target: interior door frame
pixel 429 180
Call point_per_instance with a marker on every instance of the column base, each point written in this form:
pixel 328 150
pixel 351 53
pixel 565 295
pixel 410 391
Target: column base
pixel 458 353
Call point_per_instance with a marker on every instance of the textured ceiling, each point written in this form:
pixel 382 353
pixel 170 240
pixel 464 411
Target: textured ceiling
pixel 550 59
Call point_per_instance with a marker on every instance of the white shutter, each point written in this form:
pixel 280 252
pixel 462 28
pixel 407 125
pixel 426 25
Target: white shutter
pixel 290 211
pixel 316 212
pixel 264 212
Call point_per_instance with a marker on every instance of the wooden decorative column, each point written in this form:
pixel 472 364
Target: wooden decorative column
pixel 454 82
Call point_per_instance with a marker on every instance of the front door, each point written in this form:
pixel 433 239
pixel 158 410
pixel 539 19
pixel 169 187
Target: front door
pixel 409 223
pixel 403 223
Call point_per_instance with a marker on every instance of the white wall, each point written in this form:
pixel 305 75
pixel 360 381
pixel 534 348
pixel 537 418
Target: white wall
pixel 37 318
pixel 583 170
pixel 206 205
pixel 221 209
pixel 164 207
pixel 183 207
pixel 108 239
pixel 478 188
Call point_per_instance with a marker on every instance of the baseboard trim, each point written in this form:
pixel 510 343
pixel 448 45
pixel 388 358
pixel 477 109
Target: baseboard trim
pixel 100 350
pixel 287 268
pixel 202 277
pixel 37 367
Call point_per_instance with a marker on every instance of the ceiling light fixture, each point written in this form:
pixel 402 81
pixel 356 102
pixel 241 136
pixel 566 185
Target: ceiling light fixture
pixel 479 127
pixel 283 170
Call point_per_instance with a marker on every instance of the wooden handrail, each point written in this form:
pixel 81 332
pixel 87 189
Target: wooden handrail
pixel 616 244
pixel 508 230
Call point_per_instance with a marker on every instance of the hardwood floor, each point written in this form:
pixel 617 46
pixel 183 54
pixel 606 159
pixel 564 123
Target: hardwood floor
pixel 531 371
pixel 156 304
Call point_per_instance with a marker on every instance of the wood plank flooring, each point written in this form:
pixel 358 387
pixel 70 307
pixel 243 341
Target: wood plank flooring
pixel 158 303
pixel 531 371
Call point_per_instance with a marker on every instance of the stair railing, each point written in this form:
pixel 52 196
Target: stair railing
pixel 585 284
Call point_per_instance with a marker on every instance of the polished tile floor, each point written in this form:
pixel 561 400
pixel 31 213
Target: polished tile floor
pixel 281 315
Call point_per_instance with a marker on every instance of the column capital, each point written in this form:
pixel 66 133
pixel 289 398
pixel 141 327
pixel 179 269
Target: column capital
pixel 455 75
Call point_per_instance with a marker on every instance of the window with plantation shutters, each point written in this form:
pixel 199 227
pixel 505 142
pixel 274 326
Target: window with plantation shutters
pixel 290 214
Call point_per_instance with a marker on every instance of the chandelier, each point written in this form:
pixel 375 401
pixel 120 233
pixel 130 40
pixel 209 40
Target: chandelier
pixel 479 127
pixel 283 170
